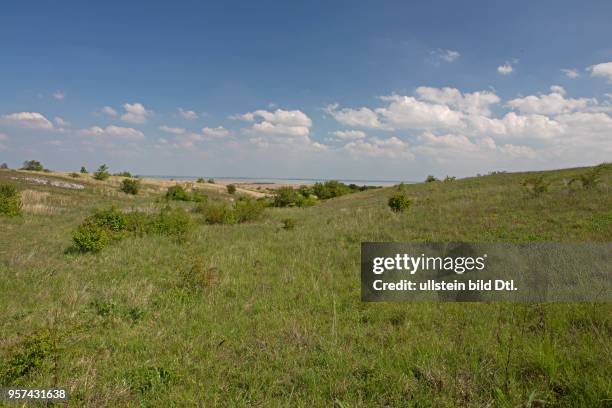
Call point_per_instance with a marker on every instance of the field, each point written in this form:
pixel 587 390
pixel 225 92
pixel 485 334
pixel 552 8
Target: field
pixel 259 315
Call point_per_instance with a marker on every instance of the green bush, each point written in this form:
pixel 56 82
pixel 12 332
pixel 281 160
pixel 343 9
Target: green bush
pixel 430 179
pixel 591 178
pixel 399 202
pixel 123 174
pixel 90 237
pixel 83 170
pixel 177 193
pixel 248 210
pixel 111 219
pixel 102 173
pixel 173 222
pixel 231 189
pixel 4 166
pixel 330 189
pixel 130 186
pixel 32 165
pixel 198 197
pixel 217 213
pixel 30 354
pixel 10 200
pixel 200 180
pixel 211 181
pixel 288 223
pixel 139 223
pixel 536 185
pixel 75 175
pixel 449 179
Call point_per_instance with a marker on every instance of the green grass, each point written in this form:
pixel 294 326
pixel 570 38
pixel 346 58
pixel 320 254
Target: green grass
pixel 257 315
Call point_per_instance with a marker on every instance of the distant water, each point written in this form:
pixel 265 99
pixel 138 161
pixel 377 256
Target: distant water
pixel 272 180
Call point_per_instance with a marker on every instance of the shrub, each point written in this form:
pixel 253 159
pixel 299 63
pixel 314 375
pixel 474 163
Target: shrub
pixel 231 188
pixel 102 173
pixel 123 174
pixel 90 237
pixel 173 222
pixel 32 353
pixel 75 175
pixel 430 179
pixel 449 178
pixel 288 223
pixel 591 178
pixel 130 186
pixel 83 170
pixel 330 189
pixel 211 181
pixel 198 197
pixel 177 193
pixel 4 166
pixel 248 210
pixel 286 197
pixel 399 202
pixel 217 213
pixel 536 185
pixel 200 180
pixel 32 165
pixel 10 201
pixel 111 219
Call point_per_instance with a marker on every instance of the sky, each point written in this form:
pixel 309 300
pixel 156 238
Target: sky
pixel 389 90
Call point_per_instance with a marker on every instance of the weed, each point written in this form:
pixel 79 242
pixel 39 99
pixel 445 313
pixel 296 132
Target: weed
pixel 29 355
pixel 146 379
pixel 288 223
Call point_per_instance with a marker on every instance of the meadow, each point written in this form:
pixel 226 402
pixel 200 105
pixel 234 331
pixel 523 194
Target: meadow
pixel 268 312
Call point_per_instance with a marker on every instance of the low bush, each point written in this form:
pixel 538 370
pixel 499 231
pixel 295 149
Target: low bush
pixel 130 186
pixel 243 210
pixel 211 181
pixel 75 175
pixel 123 174
pixel 591 178
pixel 248 210
pixel 399 202
pixel 4 166
pixel 200 180
pixel 430 179
pixel 288 223
pixel 32 353
pixel 102 173
pixel 172 222
pixel 90 237
pixel 217 213
pixel 83 170
pixel 10 200
pixel 177 193
pixel 449 179
pixel 231 188
pixel 32 165
pixel 535 185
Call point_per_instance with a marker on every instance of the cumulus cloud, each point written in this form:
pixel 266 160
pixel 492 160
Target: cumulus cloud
pixel 392 147
pixel 603 70
pixel 107 110
pixel 361 117
pixel 571 73
pixel 172 130
pixel 31 120
pixel 217 132
pixel 59 95
pixel 446 55
pixel 59 121
pixel 349 134
pixel 505 69
pixel 135 113
pixel 472 103
pixel 113 132
pixel 551 104
pixel 518 151
pixel 187 114
pixel 280 122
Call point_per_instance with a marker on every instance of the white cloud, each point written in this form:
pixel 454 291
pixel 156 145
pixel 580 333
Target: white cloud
pixel 471 103
pixel 31 120
pixel 406 112
pixel 135 113
pixel 446 55
pixel 109 111
pixel 571 73
pixel 187 114
pixel 392 148
pixel 551 104
pixel 518 151
pixel 349 134
pixel 217 132
pixel 362 117
pixel 59 121
pixel 59 95
pixel 505 69
pixel 114 132
pixel 280 122
pixel 172 130
pixel 603 70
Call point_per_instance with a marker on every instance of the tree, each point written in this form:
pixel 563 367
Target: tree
pixel 102 173
pixel 32 165
pixel 4 166
pixel 231 188
pixel 84 170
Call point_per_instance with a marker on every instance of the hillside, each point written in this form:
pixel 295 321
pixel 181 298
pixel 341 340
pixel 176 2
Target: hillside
pixel 254 314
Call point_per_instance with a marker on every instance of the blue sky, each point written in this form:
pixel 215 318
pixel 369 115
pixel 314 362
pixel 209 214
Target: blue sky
pixel 312 89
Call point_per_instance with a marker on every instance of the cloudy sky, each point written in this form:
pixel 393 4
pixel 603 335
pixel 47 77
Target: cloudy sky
pixel 315 89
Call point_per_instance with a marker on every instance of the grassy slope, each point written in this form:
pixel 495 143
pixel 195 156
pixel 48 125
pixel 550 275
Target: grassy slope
pixel 279 321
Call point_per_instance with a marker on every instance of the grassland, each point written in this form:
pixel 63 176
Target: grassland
pixel 257 315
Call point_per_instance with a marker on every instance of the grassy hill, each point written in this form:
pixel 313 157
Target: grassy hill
pixel 258 315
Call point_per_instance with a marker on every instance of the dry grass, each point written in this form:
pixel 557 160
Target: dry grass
pixel 37 202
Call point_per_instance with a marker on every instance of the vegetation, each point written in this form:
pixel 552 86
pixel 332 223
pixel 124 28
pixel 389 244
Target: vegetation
pixel 10 201
pixel 83 170
pixel 231 188
pixel 123 174
pixel 307 196
pixel 254 315
pixel 4 166
pixel 590 178
pixel 178 193
pixel 536 185
pixel 201 180
pixel 102 173
pixel 130 186
pixel 399 202
pixel 244 210
pixel 288 223
pixel 430 179
pixel 211 181
pixel 33 165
